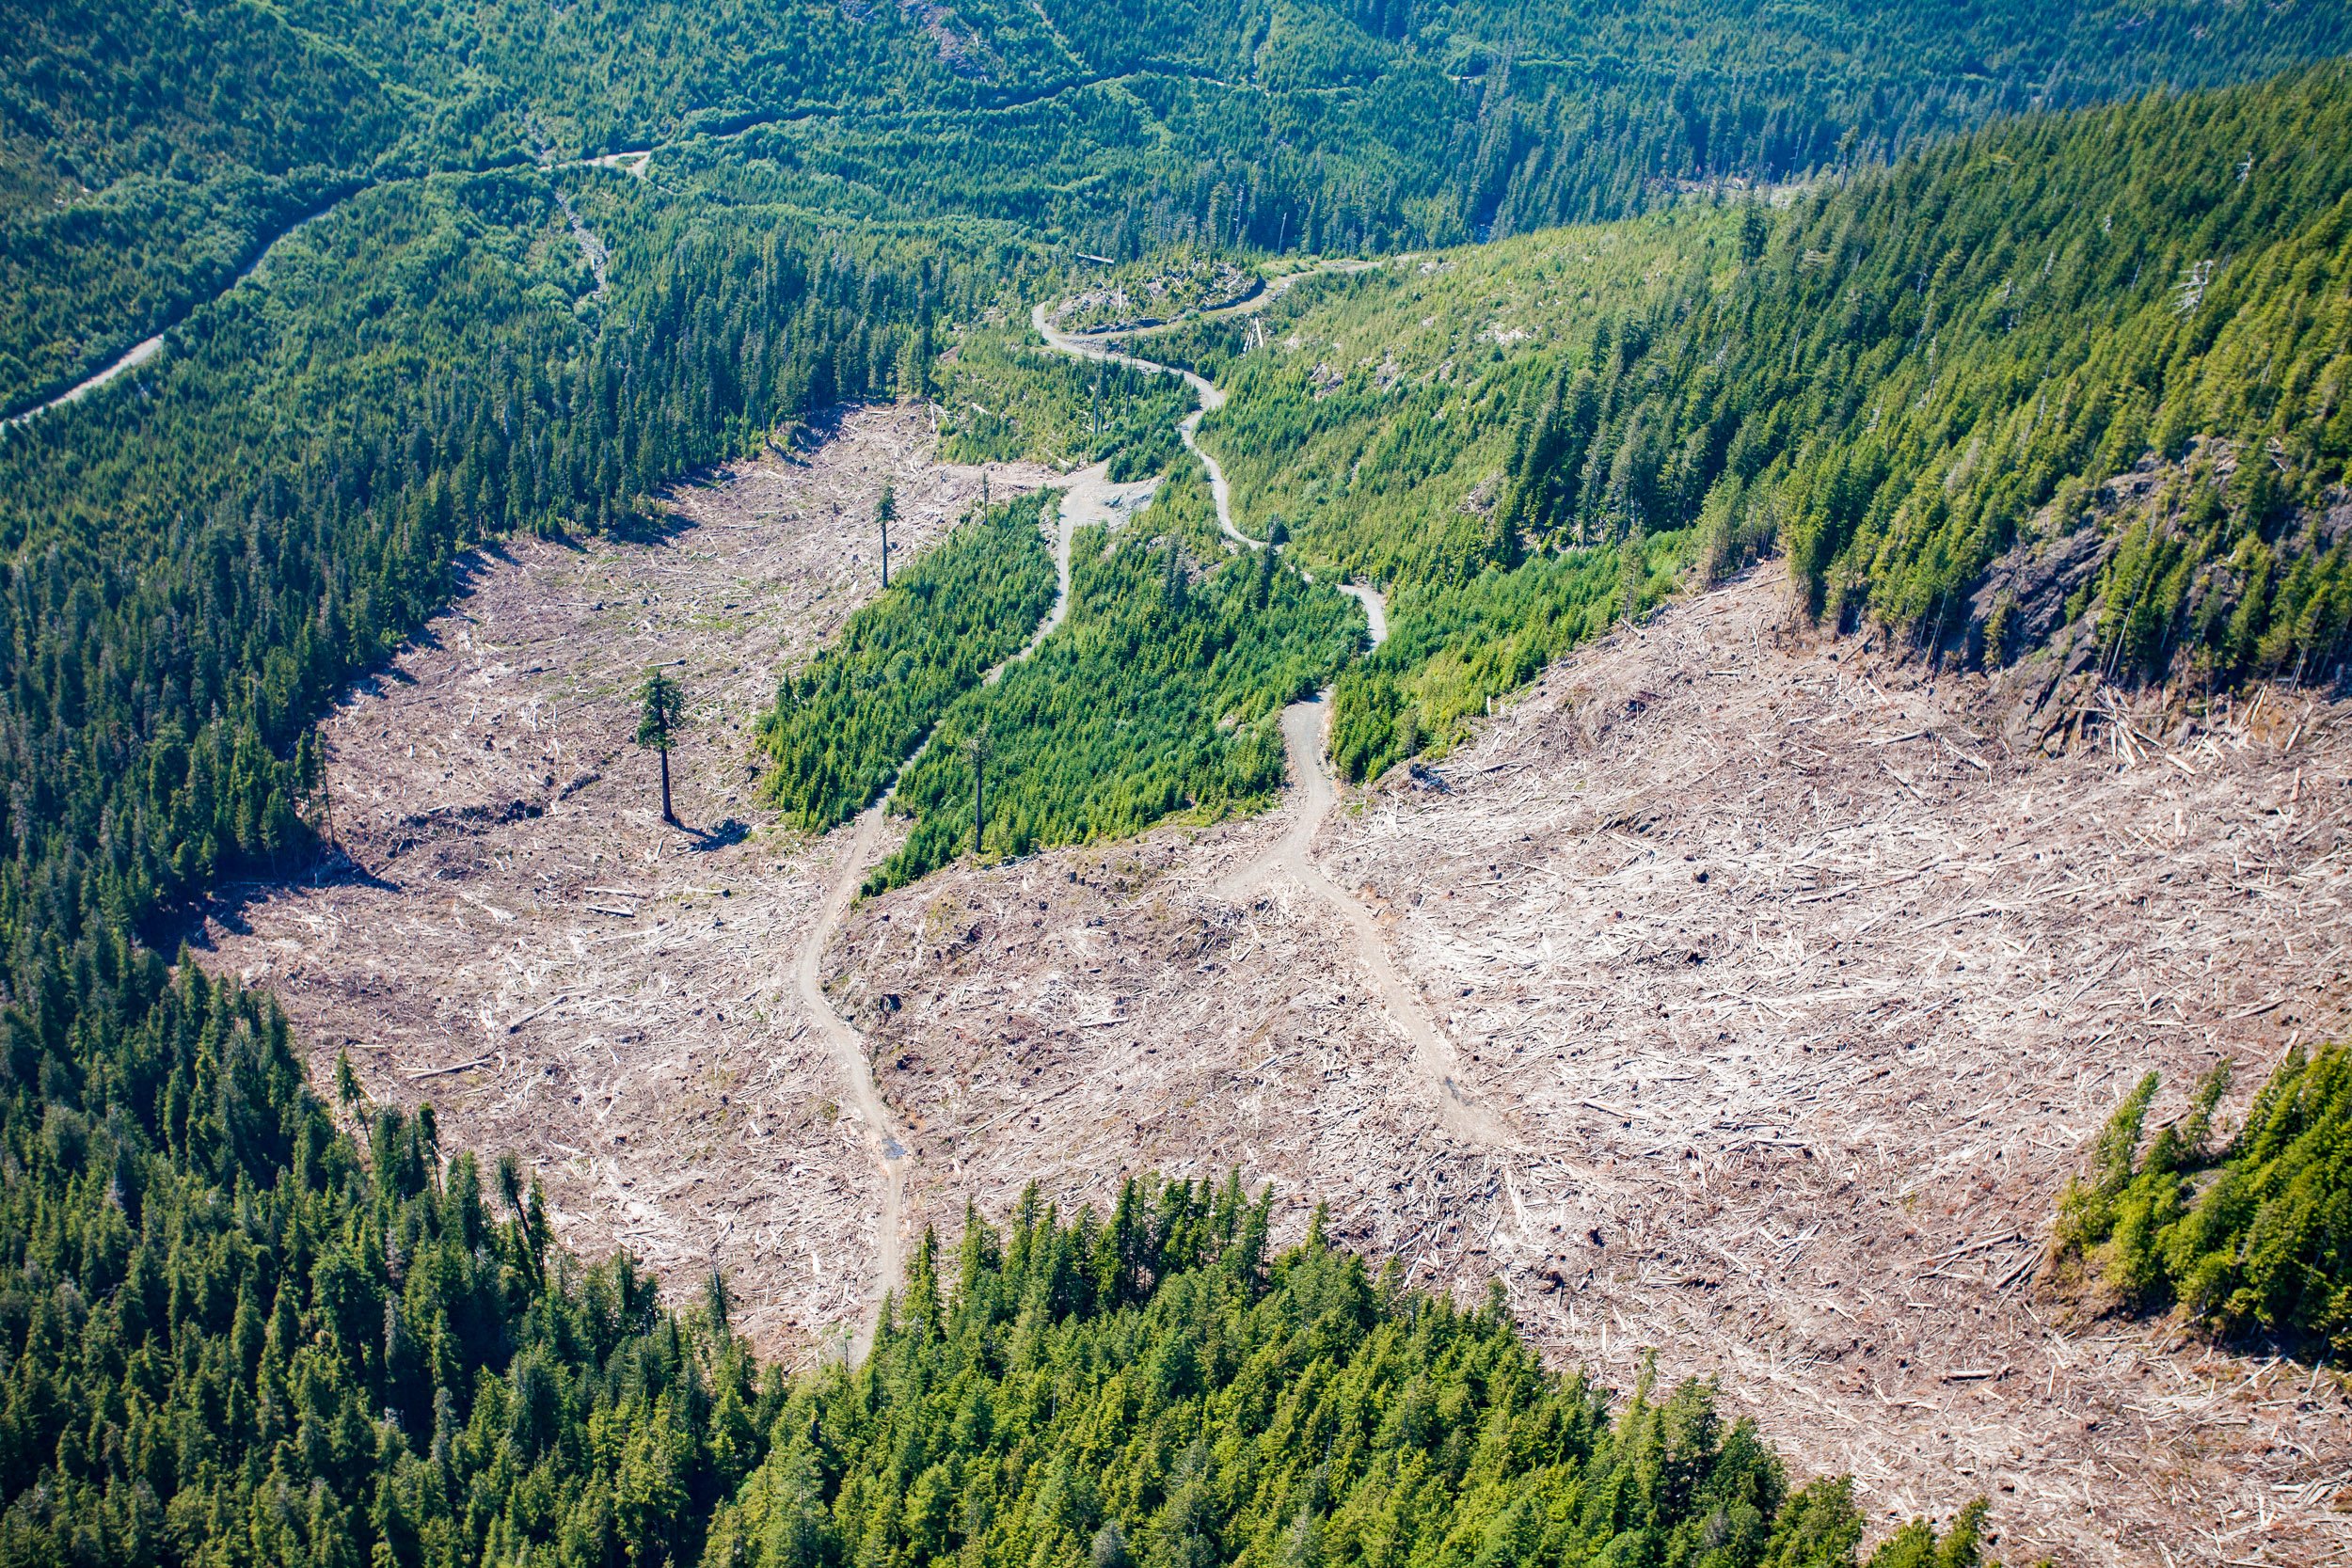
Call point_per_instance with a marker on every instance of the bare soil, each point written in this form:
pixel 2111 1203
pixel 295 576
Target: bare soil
pixel 517 935
pixel 1794 991
pixel 1800 997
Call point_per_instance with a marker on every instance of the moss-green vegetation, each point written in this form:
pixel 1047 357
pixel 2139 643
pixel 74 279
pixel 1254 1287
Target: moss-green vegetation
pixel 195 572
pixel 1894 382
pixel 2250 1238
pixel 1155 1388
pixel 842 726
pixel 1373 412
pixel 1184 510
pixel 143 161
pixel 1373 416
pixel 147 149
pixel 1160 694
pixel 1003 396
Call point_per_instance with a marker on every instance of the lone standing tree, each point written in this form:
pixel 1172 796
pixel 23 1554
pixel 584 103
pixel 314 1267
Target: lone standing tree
pixel 884 510
pixel 660 704
pixel 979 788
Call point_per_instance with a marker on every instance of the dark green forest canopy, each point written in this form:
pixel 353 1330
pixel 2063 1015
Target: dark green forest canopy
pixel 2254 1238
pixel 235 1335
pixel 197 563
pixel 1156 1387
pixel 151 154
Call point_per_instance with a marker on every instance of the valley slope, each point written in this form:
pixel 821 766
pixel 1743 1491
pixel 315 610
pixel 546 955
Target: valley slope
pixel 1855 680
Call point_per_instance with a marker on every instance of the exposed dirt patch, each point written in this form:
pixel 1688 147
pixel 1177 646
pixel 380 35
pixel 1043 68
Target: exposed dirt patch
pixel 519 938
pixel 1800 994
pixel 1139 296
pixel 1804 997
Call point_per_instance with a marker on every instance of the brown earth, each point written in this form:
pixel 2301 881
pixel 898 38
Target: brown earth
pixel 1800 998
pixel 1787 995
pixel 521 938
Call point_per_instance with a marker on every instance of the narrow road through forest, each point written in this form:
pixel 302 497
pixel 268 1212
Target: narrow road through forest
pixel 892 1159
pixel 1212 398
pixel 147 348
pixel 138 353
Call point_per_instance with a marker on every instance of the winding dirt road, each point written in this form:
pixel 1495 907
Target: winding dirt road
pixel 886 1141
pixel 1433 1055
pixel 1212 398
pixel 147 348
pixel 882 1140
pixel 593 249
pixel 1090 496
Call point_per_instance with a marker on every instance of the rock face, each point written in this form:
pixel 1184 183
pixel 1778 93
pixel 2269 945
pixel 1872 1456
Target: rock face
pixel 2022 603
pixel 2047 666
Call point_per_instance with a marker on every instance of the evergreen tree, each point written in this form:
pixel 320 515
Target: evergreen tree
pixel 2254 1237
pixel 1155 1386
pixel 660 708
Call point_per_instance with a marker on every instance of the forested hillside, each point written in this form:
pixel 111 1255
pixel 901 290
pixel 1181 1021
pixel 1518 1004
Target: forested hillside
pixel 1003 396
pixel 1900 381
pixel 1156 1387
pixel 841 728
pixel 197 569
pixel 238 1335
pixel 152 153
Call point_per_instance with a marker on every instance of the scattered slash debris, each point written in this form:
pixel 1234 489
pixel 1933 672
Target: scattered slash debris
pixel 1804 996
pixel 516 936
pixel 1802 989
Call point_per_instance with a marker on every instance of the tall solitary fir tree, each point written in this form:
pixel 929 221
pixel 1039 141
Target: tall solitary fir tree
pixel 660 707
pixel 980 787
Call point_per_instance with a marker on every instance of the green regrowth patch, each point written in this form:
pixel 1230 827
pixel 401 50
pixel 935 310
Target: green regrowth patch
pixel 1373 416
pixel 2255 1238
pixel 1160 695
pixel 1374 413
pixel 1004 396
pixel 1157 1389
pixel 1184 510
pixel 842 727
pixel 1457 645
